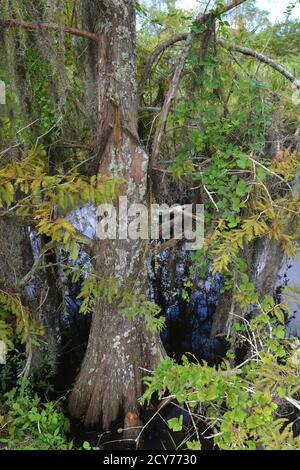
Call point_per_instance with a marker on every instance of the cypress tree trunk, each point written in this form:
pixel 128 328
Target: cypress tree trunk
pixel 110 379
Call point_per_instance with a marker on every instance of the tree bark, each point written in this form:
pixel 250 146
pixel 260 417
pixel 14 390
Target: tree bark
pixel 264 259
pixel 110 379
pixel 41 293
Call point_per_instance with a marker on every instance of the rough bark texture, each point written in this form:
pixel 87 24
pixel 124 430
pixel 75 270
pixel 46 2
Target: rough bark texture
pixel 40 295
pixel 110 380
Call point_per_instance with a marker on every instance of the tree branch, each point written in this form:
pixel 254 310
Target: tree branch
pixel 75 145
pixel 153 57
pixel 228 7
pixel 200 20
pixel 262 58
pixel 36 265
pixel 48 26
pixel 230 47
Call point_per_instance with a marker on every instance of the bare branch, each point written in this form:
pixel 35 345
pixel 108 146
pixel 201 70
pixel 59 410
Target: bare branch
pixel 229 6
pixel 153 57
pixel 48 26
pixel 28 277
pixel 230 47
pixel 200 20
pixel 262 58
pixel 75 145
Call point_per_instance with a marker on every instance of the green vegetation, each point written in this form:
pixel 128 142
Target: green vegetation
pixel 28 424
pixel 230 141
pixel 242 406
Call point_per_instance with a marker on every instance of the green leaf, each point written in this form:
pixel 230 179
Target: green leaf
pixel 242 189
pixel 243 162
pixel 281 392
pixel 279 331
pixel 193 445
pixel 236 204
pixel 74 251
pixel 86 445
pixel 176 423
pixel 261 173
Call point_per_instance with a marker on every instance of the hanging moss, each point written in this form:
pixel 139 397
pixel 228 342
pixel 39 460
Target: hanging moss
pixel 51 96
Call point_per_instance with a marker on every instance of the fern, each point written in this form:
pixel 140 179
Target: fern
pixel 279 436
pixel 43 196
pixel 21 327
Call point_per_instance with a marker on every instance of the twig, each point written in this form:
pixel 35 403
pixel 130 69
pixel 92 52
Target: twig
pixel 293 402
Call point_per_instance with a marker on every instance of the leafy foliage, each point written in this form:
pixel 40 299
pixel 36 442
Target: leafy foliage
pixel 28 424
pixel 219 148
pixel 276 218
pixel 45 195
pixel 129 304
pixel 239 404
pixel 22 327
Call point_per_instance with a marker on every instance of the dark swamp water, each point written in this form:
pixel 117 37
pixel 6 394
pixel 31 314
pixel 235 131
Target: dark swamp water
pixel 187 330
